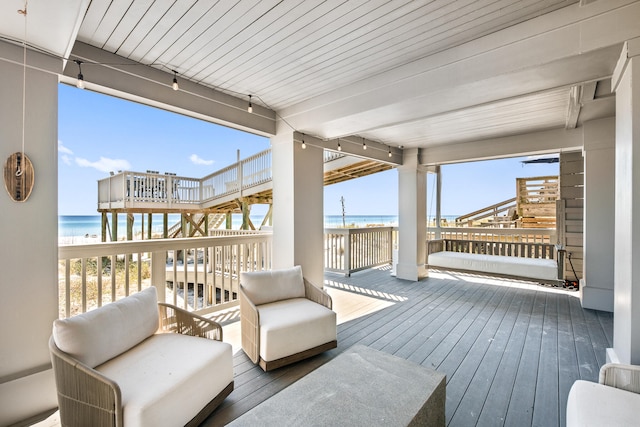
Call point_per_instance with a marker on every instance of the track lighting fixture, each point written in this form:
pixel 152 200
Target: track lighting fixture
pixel 80 82
pixel 304 146
pixel 175 80
pixel 250 107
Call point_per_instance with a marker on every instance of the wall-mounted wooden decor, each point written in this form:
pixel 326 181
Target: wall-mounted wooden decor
pixel 18 177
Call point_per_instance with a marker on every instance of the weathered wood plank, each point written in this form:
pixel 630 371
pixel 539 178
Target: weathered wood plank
pixel 546 412
pixel 492 344
pixel 568 371
pixel 587 363
pixel 499 395
pixel 520 411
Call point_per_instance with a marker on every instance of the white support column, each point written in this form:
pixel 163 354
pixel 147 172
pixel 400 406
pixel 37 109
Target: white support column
pixel 412 218
pixel 298 213
pixel 599 211
pixel 626 327
pixel 438 202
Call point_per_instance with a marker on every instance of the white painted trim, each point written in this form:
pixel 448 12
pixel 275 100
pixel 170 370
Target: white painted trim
pixel 551 141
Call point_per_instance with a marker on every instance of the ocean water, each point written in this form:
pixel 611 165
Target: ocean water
pixel 90 225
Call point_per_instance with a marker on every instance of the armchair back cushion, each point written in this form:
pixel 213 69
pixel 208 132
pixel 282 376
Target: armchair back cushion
pixel 263 287
pixel 101 334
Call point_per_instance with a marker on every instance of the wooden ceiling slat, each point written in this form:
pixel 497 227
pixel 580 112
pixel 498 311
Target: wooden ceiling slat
pixel 316 58
pixel 270 43
pixel 243 43
pixel 216 37
pixel 283 42
pixel 110 21
pixel 200 17
pixel 156 39
pixel 403 44
pixel 122 29
pixel 90 23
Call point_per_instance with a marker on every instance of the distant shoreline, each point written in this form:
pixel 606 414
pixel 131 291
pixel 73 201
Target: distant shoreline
pixel 85 229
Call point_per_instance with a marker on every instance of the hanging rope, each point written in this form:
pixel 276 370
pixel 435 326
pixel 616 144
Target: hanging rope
pixel 24 82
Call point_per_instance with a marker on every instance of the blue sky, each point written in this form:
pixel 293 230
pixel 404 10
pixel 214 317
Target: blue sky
pixel 99 133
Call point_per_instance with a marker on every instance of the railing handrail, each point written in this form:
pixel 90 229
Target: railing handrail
pixel 153 245
pixel 491 208
pixel 495 231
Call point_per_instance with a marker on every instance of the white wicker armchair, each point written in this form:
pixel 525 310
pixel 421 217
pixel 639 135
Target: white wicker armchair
pixel 613 401
pixel 110 372
pixel 284 318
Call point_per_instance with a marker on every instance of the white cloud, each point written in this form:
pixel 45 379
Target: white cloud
pixel 62 149
pixel 66 159
pixel 197 160
pixel 104 164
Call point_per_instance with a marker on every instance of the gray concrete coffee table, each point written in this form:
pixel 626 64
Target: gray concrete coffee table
pixel 360 387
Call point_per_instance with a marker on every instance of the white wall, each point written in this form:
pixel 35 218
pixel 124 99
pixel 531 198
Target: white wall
pixel 599 213
pixel 28 253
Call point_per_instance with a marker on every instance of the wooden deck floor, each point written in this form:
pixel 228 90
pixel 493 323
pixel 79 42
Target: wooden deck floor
pixel 510 350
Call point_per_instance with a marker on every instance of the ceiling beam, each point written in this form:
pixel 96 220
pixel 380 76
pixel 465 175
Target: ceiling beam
pixel 535 143
pixel 355 146
pixel 114 75
pixel 573 109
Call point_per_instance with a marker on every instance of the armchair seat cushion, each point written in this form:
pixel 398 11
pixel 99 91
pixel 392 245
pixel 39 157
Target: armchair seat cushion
pixel 168 378
pixel 294 325
pixel 593 404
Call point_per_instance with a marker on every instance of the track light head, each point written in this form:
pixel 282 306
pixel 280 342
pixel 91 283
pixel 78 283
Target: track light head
pixel 175 80
pixel 339 146
pixel 304 146
pixel 390 152
pixel 250 107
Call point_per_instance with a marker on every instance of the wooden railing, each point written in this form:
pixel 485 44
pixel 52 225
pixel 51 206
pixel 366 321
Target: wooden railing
pixel 214 263
pixel 138 188
pixel 95 274
pixel 519 235
pixel 473 218
pixel 512 249
pixel 348 250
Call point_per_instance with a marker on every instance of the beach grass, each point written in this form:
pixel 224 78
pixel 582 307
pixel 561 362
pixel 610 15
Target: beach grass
pixel 84 297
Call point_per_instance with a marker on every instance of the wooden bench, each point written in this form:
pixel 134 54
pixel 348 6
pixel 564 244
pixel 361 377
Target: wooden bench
pixel 540 261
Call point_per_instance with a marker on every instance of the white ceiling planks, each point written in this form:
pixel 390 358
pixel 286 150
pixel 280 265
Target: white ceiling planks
pixel 380 68
pixel 508 117
pixel 289 51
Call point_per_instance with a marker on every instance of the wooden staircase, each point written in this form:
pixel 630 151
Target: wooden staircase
pixel 533 207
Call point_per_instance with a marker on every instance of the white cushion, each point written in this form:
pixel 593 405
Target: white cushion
pixel 593 404
pixel 291 326
pixel 168 378
pixel 545 269
pixel 101 334
pixel 263 287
